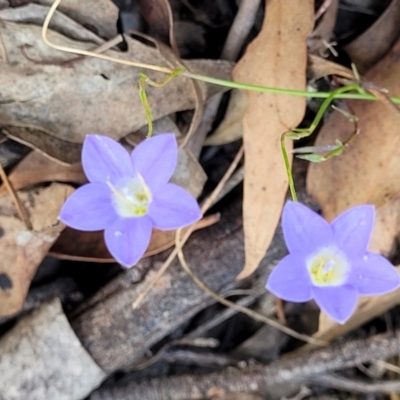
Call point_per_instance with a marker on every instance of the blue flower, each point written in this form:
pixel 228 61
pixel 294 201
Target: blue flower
pixel 330 263
pixel 129 194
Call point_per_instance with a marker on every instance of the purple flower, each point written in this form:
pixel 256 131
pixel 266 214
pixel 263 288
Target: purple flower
pixel 129 194
pixel 330 262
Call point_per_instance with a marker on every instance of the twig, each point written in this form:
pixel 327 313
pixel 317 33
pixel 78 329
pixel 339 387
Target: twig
pixel 388 366
pixel 203 342
pixel 247 311
pixel 356 386
pixel 240 29
pixel 206 205
pixel 295 369
pixel 18 204
pixel 45 28
pixel 238 32
pixel 324 6
pixel 220 317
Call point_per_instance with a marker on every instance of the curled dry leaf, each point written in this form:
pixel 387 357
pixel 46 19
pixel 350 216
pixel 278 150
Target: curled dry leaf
pixel 158 15
pixel 319 67
pixel 65 97
pixel 89 246
pixel 23 250
pixel 375 42
pixel 37 139
pixel 36 168
pixel 230 129
pixel 276 58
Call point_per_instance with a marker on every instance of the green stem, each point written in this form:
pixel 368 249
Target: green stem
pixel 291 92
pixel 288 169
pixel 307 132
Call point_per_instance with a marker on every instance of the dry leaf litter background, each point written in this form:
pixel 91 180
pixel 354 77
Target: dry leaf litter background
pixel 50 100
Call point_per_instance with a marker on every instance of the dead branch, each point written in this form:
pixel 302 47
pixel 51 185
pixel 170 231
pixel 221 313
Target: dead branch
pixel 252 379
pixel 356 386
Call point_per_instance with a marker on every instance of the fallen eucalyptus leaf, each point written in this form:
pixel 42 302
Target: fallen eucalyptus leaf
pixel 230 129
pixel 376 41
pixel 90 247
pixel 276 58
pixel 23 250
pixel 36 168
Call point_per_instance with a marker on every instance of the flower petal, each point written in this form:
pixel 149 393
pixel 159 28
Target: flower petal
pixel 128 238
pixel 352 229
pixel 339 302
pixel 304 230
pixel 104 159
pixel 89 208
pixel 290 280
pixel 173 207
pixel 155 159
pixel 374 275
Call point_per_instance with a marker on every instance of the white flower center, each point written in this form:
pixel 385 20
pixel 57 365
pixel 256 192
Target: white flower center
pixel 132 197
pixel 328 267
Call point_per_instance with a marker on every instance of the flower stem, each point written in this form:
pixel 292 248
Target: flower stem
pixel 297 134
pixel 300 93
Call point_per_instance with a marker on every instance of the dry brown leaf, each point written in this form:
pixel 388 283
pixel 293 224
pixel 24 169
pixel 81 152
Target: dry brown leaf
pixel 230 129
pixel 368 171
pixel 67 96
pixel 59 150
pixel 89 246
pixel 158 15
pixel 387 227
pixel 319 67
pixel 375 42
pixel 276 58
pixel 22 250
pixel 36 168
pixel 367 309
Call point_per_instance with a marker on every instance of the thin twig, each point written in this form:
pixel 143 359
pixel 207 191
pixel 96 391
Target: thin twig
pixel 356 386
pixel 18 204
pixel 220 317
pixel 247 311
pixel 66 49
pixel 297 369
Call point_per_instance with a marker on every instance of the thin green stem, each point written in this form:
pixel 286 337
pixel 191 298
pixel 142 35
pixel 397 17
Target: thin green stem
pixel 291 92
pixel 288 169
pixel 299 134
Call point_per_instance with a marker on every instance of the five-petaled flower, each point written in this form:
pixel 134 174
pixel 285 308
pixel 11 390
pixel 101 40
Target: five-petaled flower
pixel 129 194
pixel 330 263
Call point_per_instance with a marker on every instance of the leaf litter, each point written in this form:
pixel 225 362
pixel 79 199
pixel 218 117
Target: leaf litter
pixel 276 58
pixel 37 115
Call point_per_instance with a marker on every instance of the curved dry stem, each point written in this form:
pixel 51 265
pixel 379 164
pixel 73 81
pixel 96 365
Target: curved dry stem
pixel 66 49
pixel 206 205
pixel 247 311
